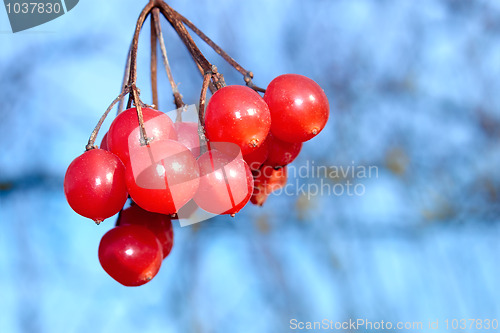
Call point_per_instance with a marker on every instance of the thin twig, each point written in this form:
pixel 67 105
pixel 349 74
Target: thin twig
pixel 135 44
pixel 248 80
pixel 154 72
pixel 201 110
pixel 125 79
pixel 175 20
pixel 138 105
pixel 247 75
pixel 211 78
pixel 134 95
pixel 90 145
pixel 210 85
pixel 155 17
pixel 203 97
pixel 214 46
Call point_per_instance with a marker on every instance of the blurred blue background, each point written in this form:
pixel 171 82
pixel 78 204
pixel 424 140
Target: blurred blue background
pixel 413 88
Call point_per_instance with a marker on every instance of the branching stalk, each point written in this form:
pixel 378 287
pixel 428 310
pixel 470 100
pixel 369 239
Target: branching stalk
pixel 93 136
pixel 153 65
pixel 212 79
pixel 155 17
pixel 125 79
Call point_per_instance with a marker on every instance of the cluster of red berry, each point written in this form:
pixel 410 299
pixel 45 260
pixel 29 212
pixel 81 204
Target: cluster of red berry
pixel 250 141
pixel 237 153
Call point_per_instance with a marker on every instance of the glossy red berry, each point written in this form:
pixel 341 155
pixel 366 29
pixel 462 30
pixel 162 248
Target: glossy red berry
pixel 226 183
pixel 187 134
pixel 256 158
pixel 162 177
pixel 267 180
pixel 130 254
pixel 281 153
pixel 239 115
pixel 159 224
pixel 299 107
pixel 94 184
pixel 124 133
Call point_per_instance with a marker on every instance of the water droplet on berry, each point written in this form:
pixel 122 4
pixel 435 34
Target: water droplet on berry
pixel 98 221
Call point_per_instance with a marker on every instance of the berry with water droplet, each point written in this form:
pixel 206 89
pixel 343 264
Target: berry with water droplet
pixel 239 115
pixel 94 184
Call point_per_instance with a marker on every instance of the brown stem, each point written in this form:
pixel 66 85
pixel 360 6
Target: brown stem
pixel 201 112
pixel 125 79
pixel 248 75
pixel 90 145
pixel 214 46
pixel 211 78
pixel 203 97
pixel 155 17
pixel 135 43
pixel 248 80
pixel 154 73
pixel 138 105
pixel 175 20
pixel 134 95
pixel 210 85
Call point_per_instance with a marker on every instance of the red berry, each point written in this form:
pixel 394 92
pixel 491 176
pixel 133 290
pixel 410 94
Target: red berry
pixel 95 185
pixel 159 224
pixel 226 183
pixel 299 107
pixel 239 115
pixel 124 133
pixel 130 254
pixel 281 153
pixel 104 142
pixel 267 180
pixel 187 134
pixel 162 176
pixel 256 158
